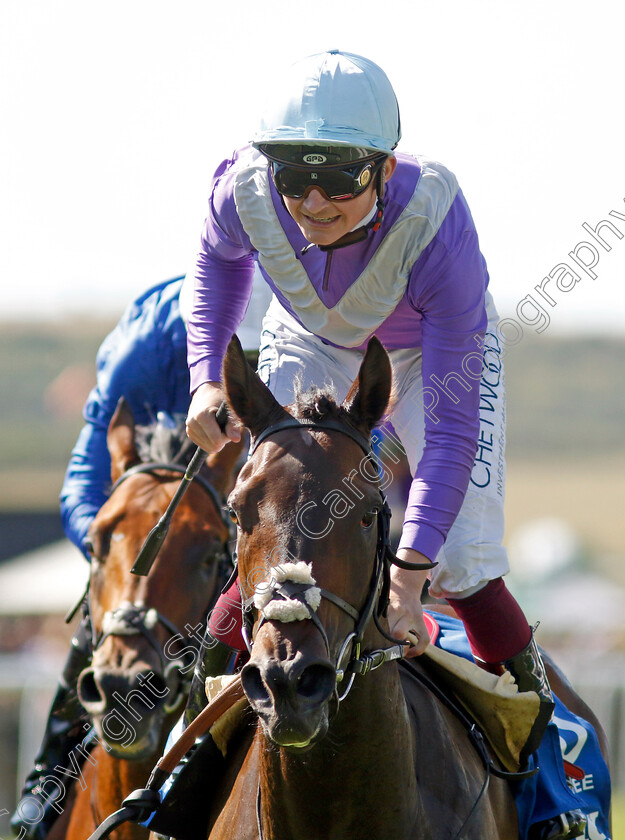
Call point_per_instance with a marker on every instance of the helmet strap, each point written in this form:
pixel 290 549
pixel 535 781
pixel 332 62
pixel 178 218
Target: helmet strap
pixel 354 236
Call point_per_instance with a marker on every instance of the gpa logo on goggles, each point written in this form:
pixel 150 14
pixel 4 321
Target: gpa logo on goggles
pixel 314 159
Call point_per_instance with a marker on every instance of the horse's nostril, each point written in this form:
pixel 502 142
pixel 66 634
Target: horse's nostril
pixel 253 684
pixel 316 682
pixel 158 685
pixel 88 692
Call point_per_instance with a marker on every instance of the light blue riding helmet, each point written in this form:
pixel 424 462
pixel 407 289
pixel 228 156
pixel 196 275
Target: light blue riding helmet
pixel 333 99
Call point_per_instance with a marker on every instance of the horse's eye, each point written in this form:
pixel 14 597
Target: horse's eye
pixel 98 545
pixel 368 519
pixel 211 559
pixel 233 516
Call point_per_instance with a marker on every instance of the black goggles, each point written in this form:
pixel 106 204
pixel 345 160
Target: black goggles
pixel 337 183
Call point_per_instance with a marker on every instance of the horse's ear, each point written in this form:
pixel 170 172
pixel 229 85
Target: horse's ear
pixel 250 399
pixel 368 397
pixel 120 440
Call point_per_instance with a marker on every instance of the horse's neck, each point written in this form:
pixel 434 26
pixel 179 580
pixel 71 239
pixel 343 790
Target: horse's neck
pixel 104 784
pixel 113 779
pixel 313 793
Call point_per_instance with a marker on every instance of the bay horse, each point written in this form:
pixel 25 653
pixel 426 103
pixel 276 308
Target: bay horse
pixel 146 630
pixel 327 757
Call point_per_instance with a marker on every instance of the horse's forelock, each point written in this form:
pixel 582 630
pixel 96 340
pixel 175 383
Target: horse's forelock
pixel 161 443
pixel 316 404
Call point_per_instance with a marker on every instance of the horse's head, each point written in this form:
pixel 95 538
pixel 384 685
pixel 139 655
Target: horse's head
pixel 146 629
pixel 307 506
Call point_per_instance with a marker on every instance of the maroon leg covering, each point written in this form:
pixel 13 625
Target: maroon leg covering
pixel 496 625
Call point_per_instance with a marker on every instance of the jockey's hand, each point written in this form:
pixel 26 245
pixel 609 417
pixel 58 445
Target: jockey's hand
pixel 405 613
pixel 202 426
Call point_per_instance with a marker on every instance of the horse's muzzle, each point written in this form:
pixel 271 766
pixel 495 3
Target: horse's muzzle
pixel 126 708
pixel 290 697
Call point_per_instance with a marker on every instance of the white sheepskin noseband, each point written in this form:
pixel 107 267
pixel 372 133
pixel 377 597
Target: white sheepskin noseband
pixel 280 601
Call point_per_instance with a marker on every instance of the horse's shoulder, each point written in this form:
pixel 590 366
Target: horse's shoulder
pixel 417 685
pixel 448 766
pixel 436 725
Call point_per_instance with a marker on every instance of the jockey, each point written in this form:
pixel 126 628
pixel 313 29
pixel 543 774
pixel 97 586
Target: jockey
pixel 356 239
pixel 143 359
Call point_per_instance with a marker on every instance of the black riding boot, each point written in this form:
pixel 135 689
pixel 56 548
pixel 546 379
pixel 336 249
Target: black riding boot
pixel 45 788
pixel 528 670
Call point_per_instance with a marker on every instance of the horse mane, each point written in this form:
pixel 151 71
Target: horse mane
pixel 164 444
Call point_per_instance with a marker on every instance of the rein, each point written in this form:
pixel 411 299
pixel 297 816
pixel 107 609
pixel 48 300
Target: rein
pixel 142 803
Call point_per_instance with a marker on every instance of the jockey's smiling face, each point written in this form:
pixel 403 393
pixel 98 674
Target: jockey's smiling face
pixel 323 221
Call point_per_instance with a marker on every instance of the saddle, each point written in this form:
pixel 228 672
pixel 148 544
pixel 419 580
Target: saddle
pixel 504 715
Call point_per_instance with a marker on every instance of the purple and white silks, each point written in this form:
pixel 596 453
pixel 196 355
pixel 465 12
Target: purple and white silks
pixel 422 270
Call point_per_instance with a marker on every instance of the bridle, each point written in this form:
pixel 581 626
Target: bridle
pixel 153 467
pixel 135 618
pixel 350 661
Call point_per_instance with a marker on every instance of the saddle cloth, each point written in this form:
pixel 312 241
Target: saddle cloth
pixel 568 738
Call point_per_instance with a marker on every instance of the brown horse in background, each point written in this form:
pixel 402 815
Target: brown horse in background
pixel 324 761
pixel 146 629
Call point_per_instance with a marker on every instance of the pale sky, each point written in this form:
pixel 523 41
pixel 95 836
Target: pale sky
pixel 114 116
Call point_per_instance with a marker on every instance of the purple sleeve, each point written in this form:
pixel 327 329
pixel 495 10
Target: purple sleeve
pixel 224 272
pixel 447 286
